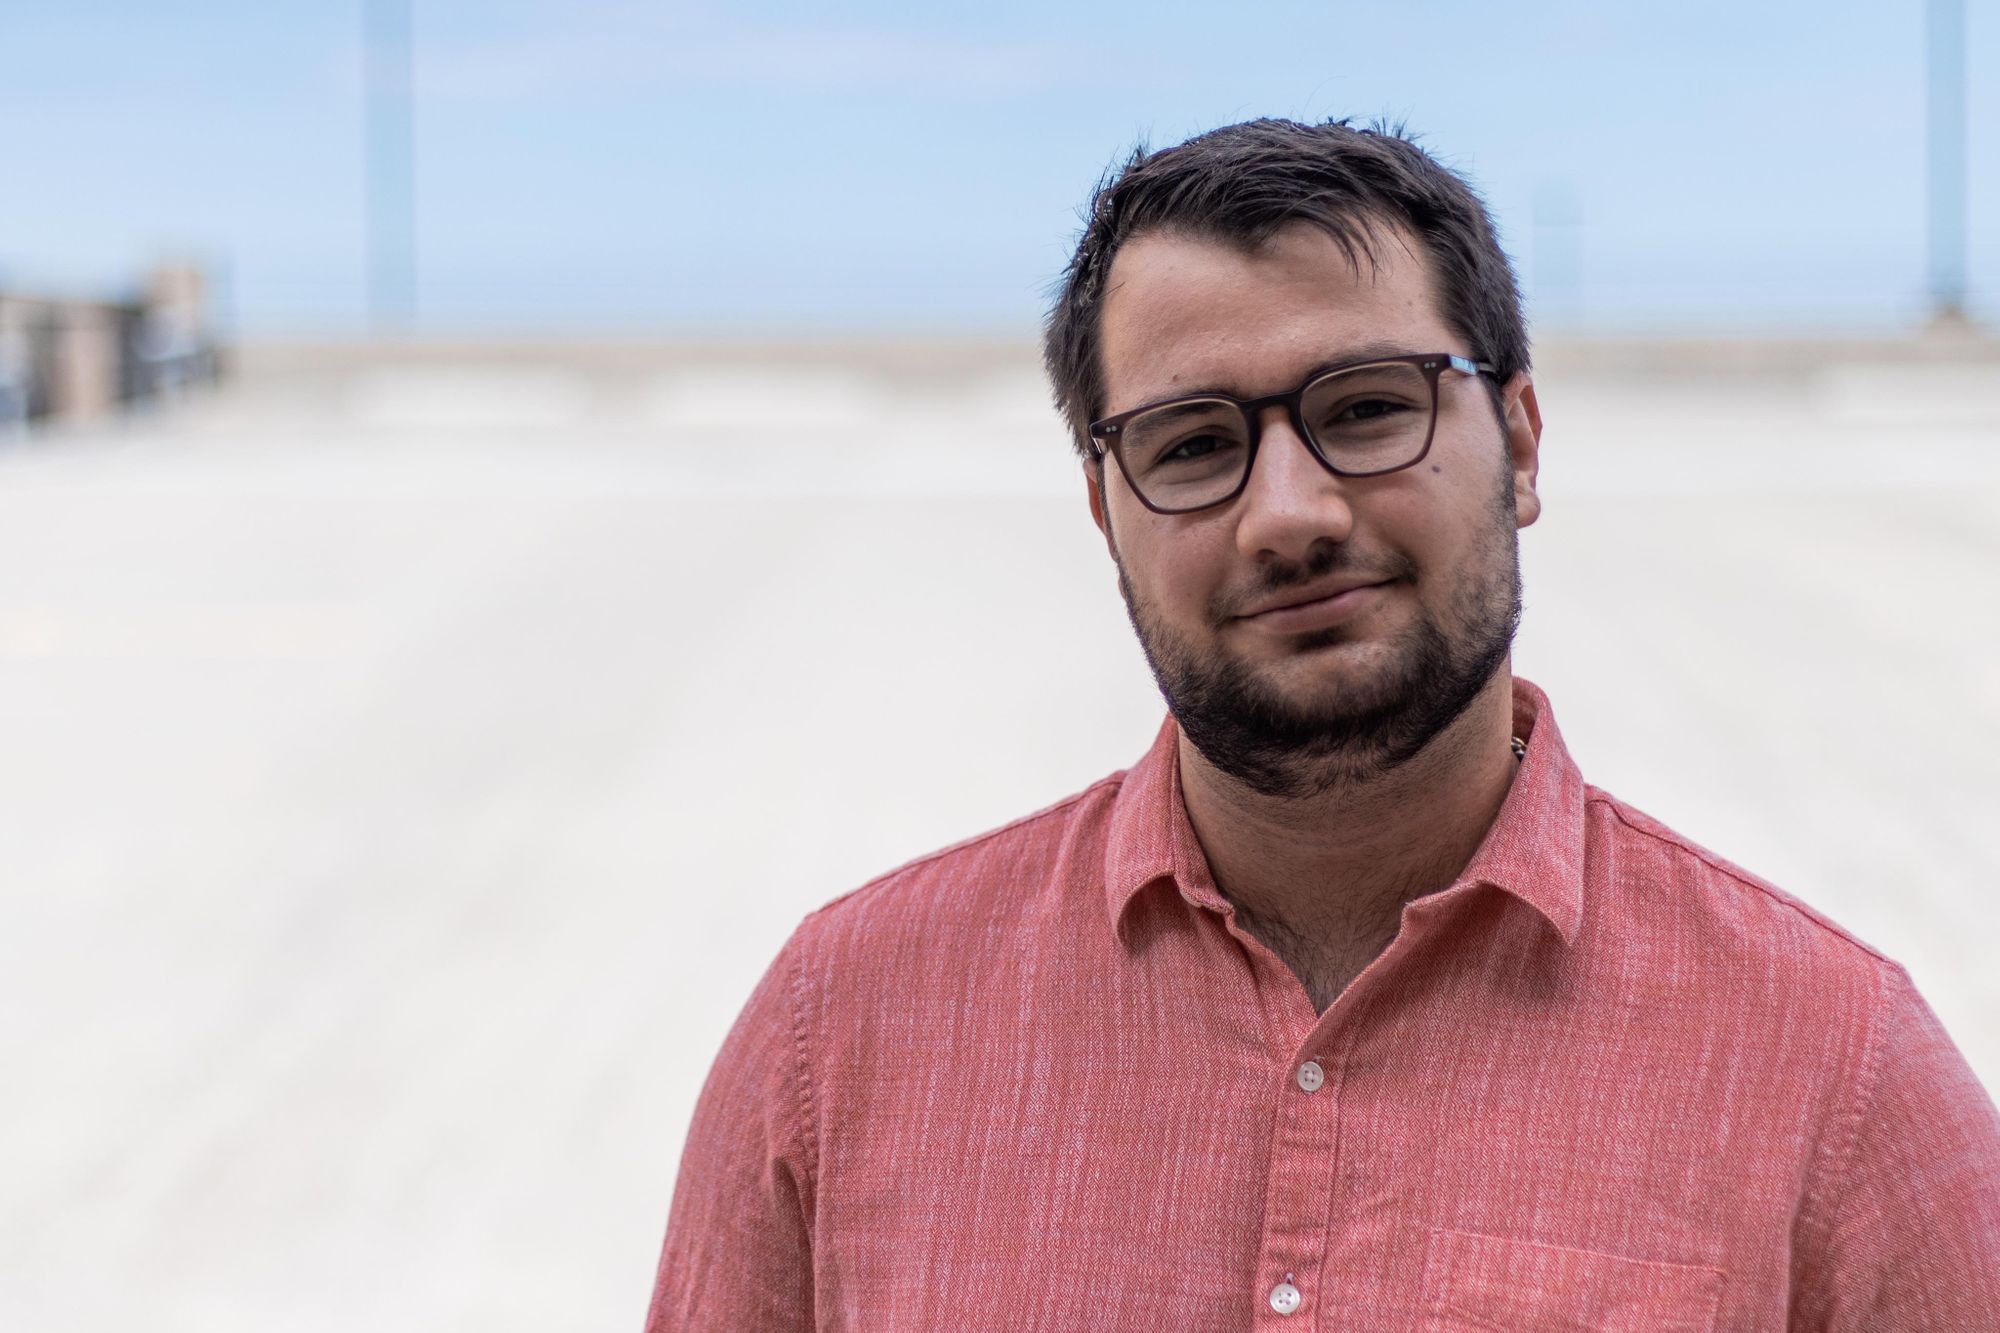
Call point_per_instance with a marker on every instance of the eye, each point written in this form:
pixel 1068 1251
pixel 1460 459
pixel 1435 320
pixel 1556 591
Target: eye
pixel 1184 437
pixel 1367 409
pixel 1194 446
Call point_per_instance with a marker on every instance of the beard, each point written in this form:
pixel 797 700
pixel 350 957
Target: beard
pixel 1351 733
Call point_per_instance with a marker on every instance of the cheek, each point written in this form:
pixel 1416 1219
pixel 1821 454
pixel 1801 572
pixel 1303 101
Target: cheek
pixel 1173 570
pixel 1456 502
pixel 1172 586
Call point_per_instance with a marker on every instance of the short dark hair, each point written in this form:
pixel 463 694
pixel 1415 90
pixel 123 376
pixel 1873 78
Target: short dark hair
pixel 1240 184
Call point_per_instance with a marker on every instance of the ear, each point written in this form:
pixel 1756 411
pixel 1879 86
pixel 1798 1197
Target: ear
pixel 1093 484
pixel 1523 418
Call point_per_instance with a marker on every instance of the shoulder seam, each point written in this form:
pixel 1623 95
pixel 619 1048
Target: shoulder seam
pixel 802 1060
pixel 1868 1078
pixel 1708 858
pixel 968 843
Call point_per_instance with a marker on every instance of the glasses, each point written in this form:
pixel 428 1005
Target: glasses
pixel 1360 420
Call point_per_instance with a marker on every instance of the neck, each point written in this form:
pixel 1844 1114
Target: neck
pixel 1334 869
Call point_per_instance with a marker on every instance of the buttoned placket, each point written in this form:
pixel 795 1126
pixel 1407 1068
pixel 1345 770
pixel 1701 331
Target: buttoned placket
pixel 1310 1059
pixel 1305 1142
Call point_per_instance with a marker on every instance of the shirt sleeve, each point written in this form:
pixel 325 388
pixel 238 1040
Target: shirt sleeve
pixel 738 1253
pixel 1904 1233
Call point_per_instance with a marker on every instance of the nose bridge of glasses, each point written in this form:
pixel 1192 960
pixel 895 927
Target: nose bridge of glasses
pixel 1285 410
pixel 1297 448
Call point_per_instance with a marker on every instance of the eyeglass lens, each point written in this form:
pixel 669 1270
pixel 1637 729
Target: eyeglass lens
pixel 1368 419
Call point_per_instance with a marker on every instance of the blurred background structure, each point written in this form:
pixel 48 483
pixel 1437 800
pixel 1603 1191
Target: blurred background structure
pixel 73 360
pixel 630 514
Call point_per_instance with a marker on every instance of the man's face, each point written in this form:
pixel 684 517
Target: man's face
pixel 1299 701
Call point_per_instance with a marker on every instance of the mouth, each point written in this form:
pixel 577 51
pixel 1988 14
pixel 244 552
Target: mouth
pixel 1317 610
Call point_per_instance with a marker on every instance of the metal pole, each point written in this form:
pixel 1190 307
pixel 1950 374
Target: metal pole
pixel 1947 161
pixel 391 173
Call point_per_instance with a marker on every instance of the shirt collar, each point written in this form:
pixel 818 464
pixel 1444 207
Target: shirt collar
pixel 1534 849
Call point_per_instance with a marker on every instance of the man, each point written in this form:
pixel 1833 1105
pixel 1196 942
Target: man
pixel 1350 1005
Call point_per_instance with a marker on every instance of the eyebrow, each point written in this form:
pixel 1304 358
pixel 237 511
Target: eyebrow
pixel 1348 356
pixel 1174 409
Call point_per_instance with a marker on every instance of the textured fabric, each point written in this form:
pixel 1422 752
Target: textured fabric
pixel 1605 1080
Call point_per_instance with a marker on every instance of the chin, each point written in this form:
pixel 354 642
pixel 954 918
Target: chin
pixel 1329 674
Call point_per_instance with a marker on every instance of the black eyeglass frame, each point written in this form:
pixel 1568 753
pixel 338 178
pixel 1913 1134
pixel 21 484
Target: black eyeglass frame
pixel 1107 436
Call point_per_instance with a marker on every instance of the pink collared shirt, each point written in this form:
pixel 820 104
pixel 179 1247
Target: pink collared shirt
pixel 1041 1080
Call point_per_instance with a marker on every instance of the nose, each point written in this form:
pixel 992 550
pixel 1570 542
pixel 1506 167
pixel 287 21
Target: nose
pixel 1290 502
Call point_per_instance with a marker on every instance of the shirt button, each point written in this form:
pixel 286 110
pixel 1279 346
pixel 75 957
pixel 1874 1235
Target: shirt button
pixel 1311 1076
pixel 1285 1298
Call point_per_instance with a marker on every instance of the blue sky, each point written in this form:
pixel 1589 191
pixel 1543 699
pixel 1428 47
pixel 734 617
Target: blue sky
pixel 609 166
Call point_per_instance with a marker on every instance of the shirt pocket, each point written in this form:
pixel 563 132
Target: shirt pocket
pixel 1487 1282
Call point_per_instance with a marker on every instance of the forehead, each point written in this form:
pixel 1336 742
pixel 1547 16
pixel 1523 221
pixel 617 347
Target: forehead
pixel 1186 314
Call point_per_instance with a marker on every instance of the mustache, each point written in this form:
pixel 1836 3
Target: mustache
pixel 1323 561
